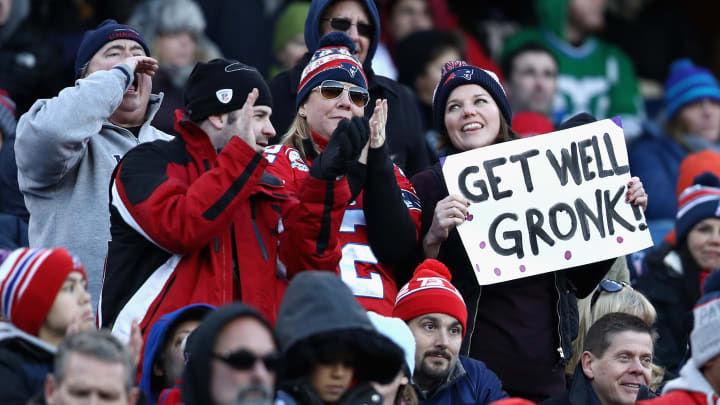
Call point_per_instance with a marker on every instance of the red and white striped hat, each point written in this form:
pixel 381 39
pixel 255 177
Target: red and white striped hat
pixel 697 202
pixel 29 282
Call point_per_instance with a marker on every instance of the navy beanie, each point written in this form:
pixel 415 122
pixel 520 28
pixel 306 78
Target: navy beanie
pixel 458 73
pixel 221 86
pixel 93 40
pixel 697 202
pixel 332 61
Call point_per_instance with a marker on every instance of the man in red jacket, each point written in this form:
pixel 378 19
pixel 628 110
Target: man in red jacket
pixel 196 219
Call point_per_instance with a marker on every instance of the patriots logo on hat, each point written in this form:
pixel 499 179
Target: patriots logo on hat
pixel 466 73
pixel 350 68
pixel 224 96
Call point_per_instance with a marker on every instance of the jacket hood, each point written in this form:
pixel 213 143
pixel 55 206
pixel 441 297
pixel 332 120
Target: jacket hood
pixel 312 27
pixel 319 309
pixel 10 336
pixel 156 342
pixel 692 380
pixel 552 15
pixel 19 11
pixel 199 350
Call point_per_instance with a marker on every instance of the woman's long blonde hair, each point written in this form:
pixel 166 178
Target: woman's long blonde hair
pixel 297 134
pixel 626 300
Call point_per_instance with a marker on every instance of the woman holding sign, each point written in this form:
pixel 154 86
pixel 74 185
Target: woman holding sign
pixel 522 329
pixel 358 214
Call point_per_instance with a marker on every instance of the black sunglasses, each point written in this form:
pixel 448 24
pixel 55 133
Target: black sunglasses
pixel 343 24
pixel 245 360
pixel 332 89
pixel 610 286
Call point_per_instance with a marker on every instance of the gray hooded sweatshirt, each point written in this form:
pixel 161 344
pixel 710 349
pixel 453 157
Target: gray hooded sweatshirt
pixel 66 150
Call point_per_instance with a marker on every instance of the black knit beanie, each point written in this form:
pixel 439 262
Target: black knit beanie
pixel 221 86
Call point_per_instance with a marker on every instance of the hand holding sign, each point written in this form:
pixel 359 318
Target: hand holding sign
pixel 636 193
pixel 450 212
pixel 547 203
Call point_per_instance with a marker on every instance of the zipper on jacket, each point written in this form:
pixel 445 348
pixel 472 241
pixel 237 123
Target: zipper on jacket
pixel 257 232
pixel 469 336
pixel 559 319
pixel 235 270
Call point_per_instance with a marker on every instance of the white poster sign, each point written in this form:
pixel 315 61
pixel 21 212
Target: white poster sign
pixel 548 202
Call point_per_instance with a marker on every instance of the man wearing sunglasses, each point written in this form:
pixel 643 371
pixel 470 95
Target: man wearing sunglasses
pixel 232 359
pixel 358 19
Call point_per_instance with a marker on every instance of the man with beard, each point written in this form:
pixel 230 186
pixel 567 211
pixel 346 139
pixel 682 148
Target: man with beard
pixel 232 359
pixel 437 316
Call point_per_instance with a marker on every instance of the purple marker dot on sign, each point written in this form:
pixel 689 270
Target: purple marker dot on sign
pixel 477 267
pixel 482 245
pixel 469 217
pixel 568 255
pixel 619 239
pixel 522 268
pixel 497 271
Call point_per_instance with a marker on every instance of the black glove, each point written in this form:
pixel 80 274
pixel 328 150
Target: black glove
pixel 344 147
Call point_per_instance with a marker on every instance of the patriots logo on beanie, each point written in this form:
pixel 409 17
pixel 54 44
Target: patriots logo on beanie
pixel 430 291
pixel 332 61
pixel 459 73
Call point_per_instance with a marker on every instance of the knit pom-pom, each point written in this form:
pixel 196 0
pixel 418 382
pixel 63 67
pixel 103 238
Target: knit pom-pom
pixel 707 179
pixel 432 268
pixel 335 39
pixel 4 253
pixel 452 65
pixel 712 283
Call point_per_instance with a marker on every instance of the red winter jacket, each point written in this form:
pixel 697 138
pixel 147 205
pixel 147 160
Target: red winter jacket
pixel 190 225
pixel 333 226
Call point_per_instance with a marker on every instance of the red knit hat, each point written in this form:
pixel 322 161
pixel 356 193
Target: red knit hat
pixel 29 282
pixel 695 164
pixel 529 123
pixel 429 291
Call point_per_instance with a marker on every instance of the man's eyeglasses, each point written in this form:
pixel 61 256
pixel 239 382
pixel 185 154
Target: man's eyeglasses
pixel 332 89
pixel 343 24
pixel 609 286
pixel 244 360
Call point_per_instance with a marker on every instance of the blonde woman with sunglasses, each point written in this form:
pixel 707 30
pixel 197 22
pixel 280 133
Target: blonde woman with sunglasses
pixel 358 214
pixel 613 296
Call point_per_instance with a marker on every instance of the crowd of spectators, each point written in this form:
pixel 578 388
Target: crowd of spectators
pixel 243 202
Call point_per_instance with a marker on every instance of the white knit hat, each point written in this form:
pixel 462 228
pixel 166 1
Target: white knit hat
pixel 398 331
pixel 705 339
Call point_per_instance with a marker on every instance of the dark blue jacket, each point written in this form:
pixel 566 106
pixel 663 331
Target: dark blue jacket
pixel 25 361
pixel 13 214
pixel 470 382
pixel 655 159
pixel 156 342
